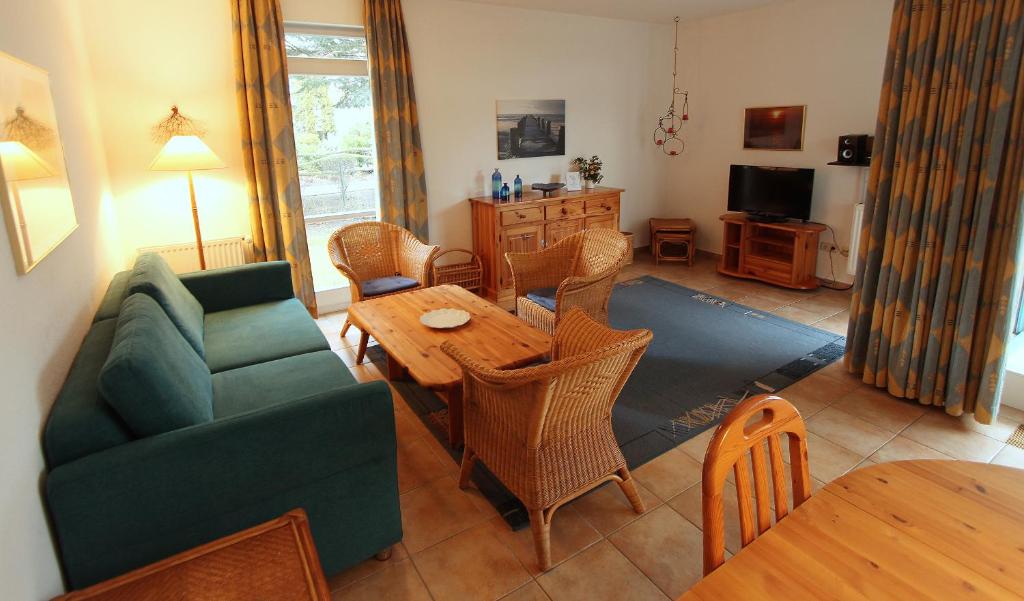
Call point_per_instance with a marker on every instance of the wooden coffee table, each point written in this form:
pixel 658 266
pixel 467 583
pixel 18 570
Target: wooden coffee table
pixel 494 337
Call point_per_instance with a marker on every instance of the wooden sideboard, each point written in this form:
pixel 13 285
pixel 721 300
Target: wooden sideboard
pixel 784 253
pixel 531 224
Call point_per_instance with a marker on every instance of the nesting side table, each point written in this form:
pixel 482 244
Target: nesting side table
pixel 673 240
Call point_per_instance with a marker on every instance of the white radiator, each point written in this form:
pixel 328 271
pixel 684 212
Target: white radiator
pixel 226 252
pixel 858 217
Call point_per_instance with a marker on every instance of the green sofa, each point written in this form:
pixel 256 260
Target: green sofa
pixel 203 404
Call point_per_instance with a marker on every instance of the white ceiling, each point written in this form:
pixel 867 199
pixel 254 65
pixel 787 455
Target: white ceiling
pixel 661 11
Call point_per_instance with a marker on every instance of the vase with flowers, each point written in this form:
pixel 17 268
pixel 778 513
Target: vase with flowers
pixel 590 170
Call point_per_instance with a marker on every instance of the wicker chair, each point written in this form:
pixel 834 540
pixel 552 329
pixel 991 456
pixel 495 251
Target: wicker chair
pixel 379 259
pixel 577 271
pixel 545 431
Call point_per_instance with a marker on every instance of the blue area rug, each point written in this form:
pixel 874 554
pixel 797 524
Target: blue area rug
pixel 707 355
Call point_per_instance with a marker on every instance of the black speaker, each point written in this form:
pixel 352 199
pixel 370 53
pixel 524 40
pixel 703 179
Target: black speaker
pixel 854 149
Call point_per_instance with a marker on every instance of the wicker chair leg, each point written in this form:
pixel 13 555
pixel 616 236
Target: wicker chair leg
pixel 629 489
pixel 468 461
pixel 344 328
pixel 541 529
pixel 384 554
pixel 364 338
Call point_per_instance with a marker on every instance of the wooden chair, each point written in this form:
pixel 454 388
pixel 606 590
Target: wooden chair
pixel 577 271
pixel 728 450
pixel 379 259
pixel 545 431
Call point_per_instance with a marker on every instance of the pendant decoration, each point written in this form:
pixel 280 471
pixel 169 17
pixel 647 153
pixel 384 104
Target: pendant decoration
pixel 666 136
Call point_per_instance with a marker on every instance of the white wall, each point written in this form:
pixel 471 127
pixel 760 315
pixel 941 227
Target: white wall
pixel 45 314
pixel 612 75
pixel 143 59
pixel 826 54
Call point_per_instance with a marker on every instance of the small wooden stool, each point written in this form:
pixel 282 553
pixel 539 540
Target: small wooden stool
pixel 679 232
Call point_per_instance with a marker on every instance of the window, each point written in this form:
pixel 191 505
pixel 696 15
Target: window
pixel 333 119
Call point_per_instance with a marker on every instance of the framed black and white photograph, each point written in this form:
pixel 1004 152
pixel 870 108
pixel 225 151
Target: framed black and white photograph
pixel 531 128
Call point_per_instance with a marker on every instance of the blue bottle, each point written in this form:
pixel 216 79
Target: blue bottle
pixel 496 184
pixel 504 193
pixel 518 188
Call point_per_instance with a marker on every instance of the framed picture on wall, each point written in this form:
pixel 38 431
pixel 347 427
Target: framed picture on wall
pixel 774 128
pixel 530 128
pixel 34 189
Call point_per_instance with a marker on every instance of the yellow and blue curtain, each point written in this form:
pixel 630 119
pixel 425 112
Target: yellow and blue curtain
pixel 268 140
pixel 403 186
pixel 942 224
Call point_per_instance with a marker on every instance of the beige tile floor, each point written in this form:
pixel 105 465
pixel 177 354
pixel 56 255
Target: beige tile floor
pixel 457 548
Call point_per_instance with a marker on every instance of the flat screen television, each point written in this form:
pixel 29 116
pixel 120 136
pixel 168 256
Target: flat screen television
pixel 772 193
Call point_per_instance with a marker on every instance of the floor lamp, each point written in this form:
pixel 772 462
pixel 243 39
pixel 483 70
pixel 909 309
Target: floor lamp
pixel 188 153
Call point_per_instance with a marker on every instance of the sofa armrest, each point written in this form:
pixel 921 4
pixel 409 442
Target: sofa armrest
pixel 139 502
pixel 232 287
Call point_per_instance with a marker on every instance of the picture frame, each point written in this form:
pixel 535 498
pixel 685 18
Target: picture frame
pixel 774 127
pixel 530 128
pixel 573 181
pixel 34 192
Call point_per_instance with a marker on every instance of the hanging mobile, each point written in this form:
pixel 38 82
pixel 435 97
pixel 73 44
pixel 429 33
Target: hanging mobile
pixel 666 136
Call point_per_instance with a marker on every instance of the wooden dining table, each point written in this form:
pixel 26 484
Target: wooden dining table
pixel 904 530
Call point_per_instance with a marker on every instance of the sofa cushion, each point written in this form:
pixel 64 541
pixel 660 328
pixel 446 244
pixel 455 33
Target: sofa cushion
pixel 81 422
pixel 280 381
pixel 153 276
pixel 258 333
pixel 387 285
pixel 110 305
pixel 544 297
pixel 153 378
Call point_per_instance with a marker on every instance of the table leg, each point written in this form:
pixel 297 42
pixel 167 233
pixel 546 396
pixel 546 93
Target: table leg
pixel 395 370
pixel 453 396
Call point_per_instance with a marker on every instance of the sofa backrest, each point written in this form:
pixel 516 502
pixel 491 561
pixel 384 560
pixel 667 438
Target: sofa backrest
pixel 81 422
pixel 153 276
pixel 117 291
pixel 153 378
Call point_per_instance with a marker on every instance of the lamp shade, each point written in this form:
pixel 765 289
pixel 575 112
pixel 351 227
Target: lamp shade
pixel 19 163
pixel 186 153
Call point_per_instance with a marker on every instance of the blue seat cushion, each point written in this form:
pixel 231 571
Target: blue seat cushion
pixel 387 285
pixel 258 333
pixel 544 297
pixel 245 389
pixel 153 276
pixel 153 378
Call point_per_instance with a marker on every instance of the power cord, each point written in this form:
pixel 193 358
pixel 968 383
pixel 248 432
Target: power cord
pixel 831 265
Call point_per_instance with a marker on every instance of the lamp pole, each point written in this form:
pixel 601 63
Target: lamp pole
pixel 195 222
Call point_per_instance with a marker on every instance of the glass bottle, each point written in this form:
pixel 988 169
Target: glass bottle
pixel 495 184
pixel 518 189
pixel 504 192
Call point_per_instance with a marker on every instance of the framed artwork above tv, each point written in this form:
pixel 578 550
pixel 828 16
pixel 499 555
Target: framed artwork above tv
pixel 774 127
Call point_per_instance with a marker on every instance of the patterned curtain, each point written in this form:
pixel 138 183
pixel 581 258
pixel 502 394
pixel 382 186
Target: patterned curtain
pixel 930 312
pixel 268 141
pixel 403 185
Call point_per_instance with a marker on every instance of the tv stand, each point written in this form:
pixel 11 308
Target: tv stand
pixel 781 253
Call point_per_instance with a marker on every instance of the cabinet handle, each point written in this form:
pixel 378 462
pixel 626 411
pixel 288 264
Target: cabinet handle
pixel 565 211
pixel 520 216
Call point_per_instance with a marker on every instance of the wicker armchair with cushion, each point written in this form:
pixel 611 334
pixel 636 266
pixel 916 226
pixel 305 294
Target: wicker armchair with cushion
pixel 379 259
pixel 577 271
pixel 545 431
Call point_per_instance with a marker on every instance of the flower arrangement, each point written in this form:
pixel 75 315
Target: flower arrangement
pixel 590 170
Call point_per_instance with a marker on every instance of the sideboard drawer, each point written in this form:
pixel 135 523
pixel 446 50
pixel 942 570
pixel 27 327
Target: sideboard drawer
pixel 599 206
pixel 514 216
pixel 563 211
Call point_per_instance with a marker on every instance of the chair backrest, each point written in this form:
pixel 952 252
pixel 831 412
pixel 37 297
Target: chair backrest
pixel 600 250
pixel 367 247
pixel 740 446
